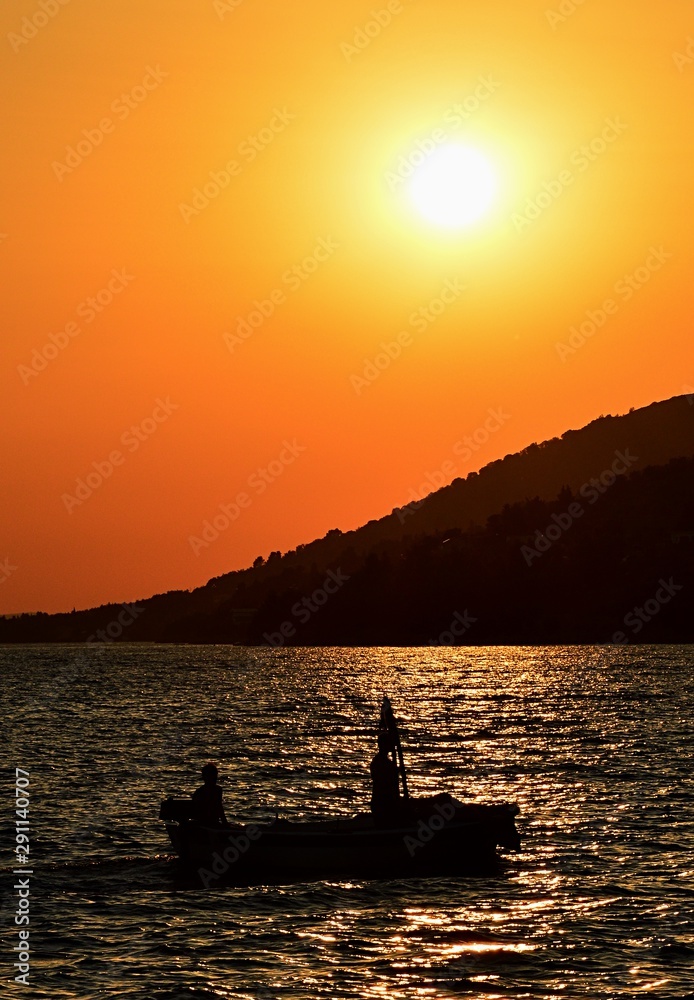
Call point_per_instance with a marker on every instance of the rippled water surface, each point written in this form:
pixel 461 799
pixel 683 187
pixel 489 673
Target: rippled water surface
pixel 594 743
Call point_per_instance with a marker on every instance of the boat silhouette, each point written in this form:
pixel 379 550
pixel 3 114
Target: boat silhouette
pixel 435 834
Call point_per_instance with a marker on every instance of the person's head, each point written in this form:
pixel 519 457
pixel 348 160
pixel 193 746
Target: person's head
pixel 209 774
pixel 384 742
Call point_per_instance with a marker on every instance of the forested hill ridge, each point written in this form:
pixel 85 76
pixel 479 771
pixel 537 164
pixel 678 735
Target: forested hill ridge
pixel 584 538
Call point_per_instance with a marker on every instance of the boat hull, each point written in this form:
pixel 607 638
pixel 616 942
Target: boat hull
pixel 439 838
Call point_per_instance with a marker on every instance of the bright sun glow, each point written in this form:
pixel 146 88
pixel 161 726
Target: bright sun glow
pixel 454 187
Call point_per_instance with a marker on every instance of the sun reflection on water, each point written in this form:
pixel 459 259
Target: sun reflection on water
pixel 597 890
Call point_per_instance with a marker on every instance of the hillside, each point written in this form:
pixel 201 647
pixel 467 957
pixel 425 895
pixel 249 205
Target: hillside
pixel 403 578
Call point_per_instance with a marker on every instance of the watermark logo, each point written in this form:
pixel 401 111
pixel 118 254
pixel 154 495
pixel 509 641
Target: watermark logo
pixel 686 58
pixel 132 439
pixel 640 616
pixel 472 443
pixel 224 7
pixel 465 448
pixel 258 481
pixel 248 150
pixel 32 24
pixel 563 12
pixel 115 628
pixel 293 278
pixel 581 159
pixel 122 108
pixel 304 609
pixel 455 631
pixel 427 829
pixel 591 491
pixel 365 34
pixel 6 570
pixel 455 117
pixel 87 310
pixel 22 918
pixel 625 289
pixel 420 320
pixel 236 848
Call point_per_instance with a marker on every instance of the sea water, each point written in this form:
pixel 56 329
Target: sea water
pixel 593 743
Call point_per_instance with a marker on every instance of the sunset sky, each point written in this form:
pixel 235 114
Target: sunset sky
pixel 208 234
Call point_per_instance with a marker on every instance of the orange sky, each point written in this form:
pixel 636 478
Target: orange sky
pixel 290 121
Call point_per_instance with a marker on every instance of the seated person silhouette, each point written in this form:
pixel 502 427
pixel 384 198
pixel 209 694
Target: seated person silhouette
pixel 385 796
pixel 207 800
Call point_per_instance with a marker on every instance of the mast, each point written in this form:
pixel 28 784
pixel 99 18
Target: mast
pixel 388 725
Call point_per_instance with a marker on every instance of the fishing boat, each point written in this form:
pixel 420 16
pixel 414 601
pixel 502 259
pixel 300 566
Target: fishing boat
pixel 434 834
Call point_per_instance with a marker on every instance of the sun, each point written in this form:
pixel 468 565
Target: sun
pixel 454 187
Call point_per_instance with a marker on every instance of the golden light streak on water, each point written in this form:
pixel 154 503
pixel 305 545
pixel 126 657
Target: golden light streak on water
pixel 594 744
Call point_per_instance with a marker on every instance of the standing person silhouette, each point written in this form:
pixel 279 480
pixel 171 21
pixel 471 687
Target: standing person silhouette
pixel 385 795
pixel 207 800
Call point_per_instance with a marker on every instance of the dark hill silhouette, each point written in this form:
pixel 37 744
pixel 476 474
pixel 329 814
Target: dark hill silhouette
pixel 466 548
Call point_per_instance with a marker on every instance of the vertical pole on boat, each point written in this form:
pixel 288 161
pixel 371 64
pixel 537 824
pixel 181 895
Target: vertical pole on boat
pixel 390 726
